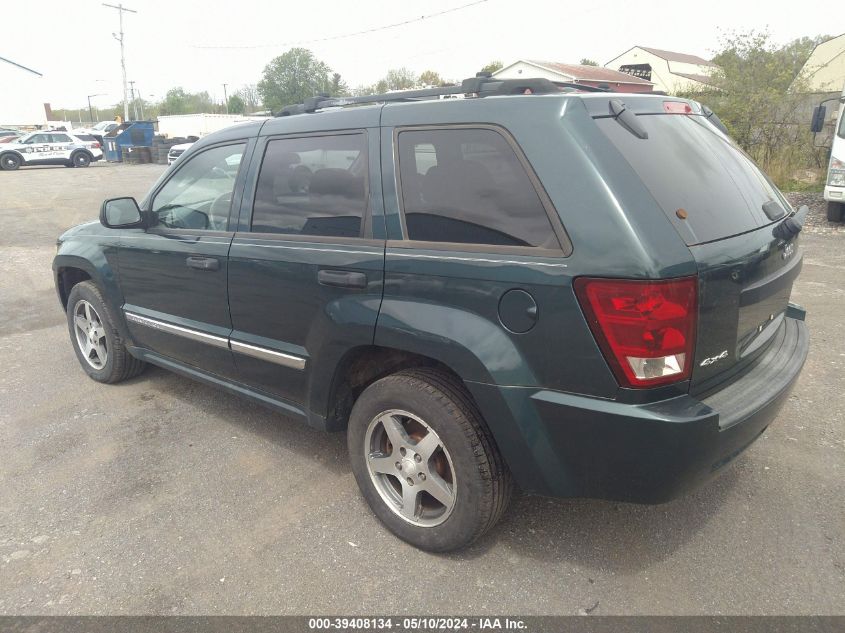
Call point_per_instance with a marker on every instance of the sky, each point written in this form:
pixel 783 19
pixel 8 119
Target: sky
pixel 200 45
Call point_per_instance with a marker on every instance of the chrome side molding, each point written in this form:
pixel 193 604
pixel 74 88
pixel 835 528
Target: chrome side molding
pixel 262 353
pixel 272 356
pixel 178 330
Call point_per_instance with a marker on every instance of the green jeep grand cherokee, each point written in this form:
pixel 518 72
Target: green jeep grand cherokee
pixel 579 293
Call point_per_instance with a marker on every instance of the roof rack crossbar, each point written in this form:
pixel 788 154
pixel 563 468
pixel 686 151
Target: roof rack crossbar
pixel 482 86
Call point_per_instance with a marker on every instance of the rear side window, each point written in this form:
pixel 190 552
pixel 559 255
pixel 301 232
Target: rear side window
pixel 312 186
pixel 60 138
pixel 467 186
pixel 687 165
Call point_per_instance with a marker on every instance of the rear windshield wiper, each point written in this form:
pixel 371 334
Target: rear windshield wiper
pixel 627 119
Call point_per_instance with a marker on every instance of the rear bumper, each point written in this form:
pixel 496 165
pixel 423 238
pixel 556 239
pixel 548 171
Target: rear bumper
pixel 575 446
pixel 834 194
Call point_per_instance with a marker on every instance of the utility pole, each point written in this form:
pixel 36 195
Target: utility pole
pixel 90 109
pixel 120 9
pixel 225 98
pixel 141 105
pixel 134 102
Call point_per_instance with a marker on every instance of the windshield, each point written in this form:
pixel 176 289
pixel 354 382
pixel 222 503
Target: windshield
pixel 102 125
pixel 689 167
pixel 841 132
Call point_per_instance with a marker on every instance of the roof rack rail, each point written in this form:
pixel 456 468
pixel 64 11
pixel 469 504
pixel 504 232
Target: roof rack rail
pixel 482 85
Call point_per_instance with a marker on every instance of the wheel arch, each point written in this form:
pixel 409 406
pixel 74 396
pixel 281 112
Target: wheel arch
pixel 81 150
pixel 360 367
pixel 66 278
pixel 14 152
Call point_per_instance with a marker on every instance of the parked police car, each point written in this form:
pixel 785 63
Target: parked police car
pixel 49 148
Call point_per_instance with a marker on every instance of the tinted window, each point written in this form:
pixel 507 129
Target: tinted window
pixel 687 165
pixel 199 194
pixel 60 138
pixel 87 138
pixel 468 186
pixel 312 186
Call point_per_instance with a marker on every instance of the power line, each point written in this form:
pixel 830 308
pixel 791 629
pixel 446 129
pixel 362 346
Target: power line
pixel 345 35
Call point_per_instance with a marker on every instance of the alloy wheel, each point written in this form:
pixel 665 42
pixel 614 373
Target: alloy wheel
pixel 410 468
pixel 90 334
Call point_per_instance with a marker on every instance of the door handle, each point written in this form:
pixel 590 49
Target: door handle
pixel 342 279
pixel 203 263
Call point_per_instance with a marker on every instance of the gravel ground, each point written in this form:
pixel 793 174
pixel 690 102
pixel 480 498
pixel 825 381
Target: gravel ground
pixel 163 496
pixel 816 222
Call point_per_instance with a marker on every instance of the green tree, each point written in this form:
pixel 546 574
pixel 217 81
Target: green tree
pixel 400 79
pixel 251 98
pixel 429 78
pixel 338 87
pixel 178 101
pixel 586 61
pixel 293 77
pixel 492 67
pixel 236 105
pixel 757 93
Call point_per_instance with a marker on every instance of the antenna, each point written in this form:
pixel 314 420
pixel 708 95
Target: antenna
pixel 121 9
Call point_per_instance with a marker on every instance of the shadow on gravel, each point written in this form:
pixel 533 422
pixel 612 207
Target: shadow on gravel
pixel 590 533
pixel 604 535
pixel 329 448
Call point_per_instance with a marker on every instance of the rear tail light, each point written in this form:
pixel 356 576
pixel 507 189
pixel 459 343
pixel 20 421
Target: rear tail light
pixel 646 329
pixel 95 145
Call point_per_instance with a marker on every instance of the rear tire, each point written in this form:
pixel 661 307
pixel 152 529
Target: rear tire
pixel 451 470
pixel 10 162
pixel 81 159
pixel 835 211
pixel 95 339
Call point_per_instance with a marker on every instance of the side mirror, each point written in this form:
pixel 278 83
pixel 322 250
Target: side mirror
pixel 121 213
pixel 819 115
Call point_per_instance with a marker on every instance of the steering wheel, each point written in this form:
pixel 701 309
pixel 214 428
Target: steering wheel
pixel 218 212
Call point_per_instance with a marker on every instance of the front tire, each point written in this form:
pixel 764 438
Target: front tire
pixel 10 162
pixel 835 211
pixel 95 339
pixel 81 159
pixel 425 462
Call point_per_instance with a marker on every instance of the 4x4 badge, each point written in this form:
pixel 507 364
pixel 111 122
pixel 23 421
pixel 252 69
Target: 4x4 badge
pixel 714 359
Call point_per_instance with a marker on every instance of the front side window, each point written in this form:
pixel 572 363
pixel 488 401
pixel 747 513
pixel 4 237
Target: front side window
pixel 312 186
pixel 199 195
pixel 467 186
pixel 36 139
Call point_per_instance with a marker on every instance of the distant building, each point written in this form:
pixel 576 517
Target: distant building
pixel 824 70
pixel 21 102
pixel 669 71
pixel 594 76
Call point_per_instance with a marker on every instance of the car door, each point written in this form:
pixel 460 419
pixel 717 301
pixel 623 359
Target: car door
pixel 36 148
pixel 61 147
pixel 306 265
pixel 173 274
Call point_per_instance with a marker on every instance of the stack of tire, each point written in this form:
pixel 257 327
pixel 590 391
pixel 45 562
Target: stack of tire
pixel 136 155
pixel 161 147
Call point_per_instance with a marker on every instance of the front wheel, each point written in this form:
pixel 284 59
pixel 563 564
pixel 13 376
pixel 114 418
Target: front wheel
pixel 834 211
pixel 95 339
pixel 425 461
pixel 81 159
pixel 10 162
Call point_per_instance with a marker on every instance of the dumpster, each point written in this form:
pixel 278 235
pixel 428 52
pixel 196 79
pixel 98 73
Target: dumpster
pixel 129 134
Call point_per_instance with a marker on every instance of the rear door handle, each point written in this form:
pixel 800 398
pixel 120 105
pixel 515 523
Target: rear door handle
pixel 342 279
pixel 203 263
